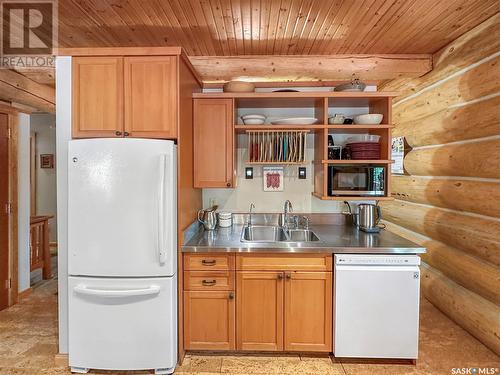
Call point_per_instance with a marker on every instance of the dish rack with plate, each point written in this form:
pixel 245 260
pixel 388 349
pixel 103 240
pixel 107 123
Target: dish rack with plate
pixel 276 147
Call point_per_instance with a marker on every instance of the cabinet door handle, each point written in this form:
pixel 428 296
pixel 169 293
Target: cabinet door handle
pixel 280 276
pixel 209 282
pixel 228 184
pixel 207 262
pixel 118 132
pixel 231 295
pixel 126 134
pixel 288 276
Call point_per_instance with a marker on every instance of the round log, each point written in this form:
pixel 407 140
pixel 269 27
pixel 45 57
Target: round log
pixel 475 235
pixel 453 124
pixel 469 271
pixel 480 81
pixel 475 159
pixel 475 314
pixel 456 194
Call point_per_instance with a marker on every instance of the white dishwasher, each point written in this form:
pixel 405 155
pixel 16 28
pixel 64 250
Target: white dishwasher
pixel 376 306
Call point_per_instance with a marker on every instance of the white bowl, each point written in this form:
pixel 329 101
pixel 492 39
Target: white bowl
pixel 368 119
pixel 363 138
pixel 253 116
pixel 253 121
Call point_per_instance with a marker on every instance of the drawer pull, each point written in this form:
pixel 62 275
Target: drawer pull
pixel 208 282
pixel 206 262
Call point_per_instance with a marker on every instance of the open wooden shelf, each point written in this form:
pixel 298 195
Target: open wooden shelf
pixel 358 127
pixel 351 198
pixel 270 127
pixel 275 163
pixel 350 161
pixel 298 95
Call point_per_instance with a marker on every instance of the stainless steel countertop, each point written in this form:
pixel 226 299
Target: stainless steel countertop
pixel 335 239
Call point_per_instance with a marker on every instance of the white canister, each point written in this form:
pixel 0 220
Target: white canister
pixel 225 219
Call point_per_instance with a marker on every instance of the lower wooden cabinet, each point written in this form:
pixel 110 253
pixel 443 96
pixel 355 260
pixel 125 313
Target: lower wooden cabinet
pixel 259 310
pixel 209 320
pixel 285 306
pixel 308 311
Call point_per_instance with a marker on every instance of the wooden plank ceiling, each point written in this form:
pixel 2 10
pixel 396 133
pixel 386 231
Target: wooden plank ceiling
pixel 272 27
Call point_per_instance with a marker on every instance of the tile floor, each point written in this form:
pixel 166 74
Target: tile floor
pixel 28 342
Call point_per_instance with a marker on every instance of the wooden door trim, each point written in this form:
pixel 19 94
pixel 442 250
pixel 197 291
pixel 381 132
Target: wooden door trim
pixel 12 254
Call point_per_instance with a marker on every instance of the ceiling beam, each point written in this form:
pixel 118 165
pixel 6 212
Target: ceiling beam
pixel 213 69
pixel 15 87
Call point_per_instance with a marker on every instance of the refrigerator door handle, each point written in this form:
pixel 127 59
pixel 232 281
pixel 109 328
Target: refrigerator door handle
pixel 82 289
pixel 161 211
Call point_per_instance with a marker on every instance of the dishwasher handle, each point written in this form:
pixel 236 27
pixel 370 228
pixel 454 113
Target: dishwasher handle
pixel 117 293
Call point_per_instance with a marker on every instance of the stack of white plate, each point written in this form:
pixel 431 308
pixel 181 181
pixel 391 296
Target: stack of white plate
pixel 253 119
pixel 225 219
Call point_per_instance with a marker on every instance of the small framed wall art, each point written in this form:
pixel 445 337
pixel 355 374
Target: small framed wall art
pixel 47 161
pixel 273 178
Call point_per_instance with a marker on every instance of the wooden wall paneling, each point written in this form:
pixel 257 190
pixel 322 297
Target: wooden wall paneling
pixel 469 48
pixel 471 159
pixel 15 87
pixel 477 82
pixel 311 68
pixel 471 272
pixel 476 196
pixel 453 124
pixel 475 235
pixel 189 199
pixel 151 95
pixel 97 96
pixel 475 314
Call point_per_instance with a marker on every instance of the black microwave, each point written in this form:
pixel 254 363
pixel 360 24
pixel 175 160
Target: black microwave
pixel 363 180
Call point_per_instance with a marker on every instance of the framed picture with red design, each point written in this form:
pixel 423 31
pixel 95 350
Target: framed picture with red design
pixel 273 178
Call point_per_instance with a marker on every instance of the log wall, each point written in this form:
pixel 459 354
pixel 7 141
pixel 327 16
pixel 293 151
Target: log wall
pixel 449 200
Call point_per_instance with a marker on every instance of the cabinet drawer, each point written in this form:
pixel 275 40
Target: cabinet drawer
pixel 208 262
pixel 281 262
pixel 208 280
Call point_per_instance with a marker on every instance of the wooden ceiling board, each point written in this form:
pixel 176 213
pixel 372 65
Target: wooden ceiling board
pixel 272 27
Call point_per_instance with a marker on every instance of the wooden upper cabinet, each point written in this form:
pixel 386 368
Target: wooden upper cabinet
pixel 213 143
pixel 308 311
pixel 151 96
pixel 259 321
pixel 209 320
pixel 97 97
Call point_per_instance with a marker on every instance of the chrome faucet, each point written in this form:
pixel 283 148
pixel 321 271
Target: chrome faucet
pixel 250 213
pixel 306 222
pixel 286 211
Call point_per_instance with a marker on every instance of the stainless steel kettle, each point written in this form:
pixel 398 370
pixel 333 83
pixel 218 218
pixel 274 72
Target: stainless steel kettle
pixel 208 218
pixel 368 217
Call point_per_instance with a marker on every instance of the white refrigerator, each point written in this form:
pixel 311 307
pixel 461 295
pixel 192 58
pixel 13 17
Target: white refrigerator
pixel 122 251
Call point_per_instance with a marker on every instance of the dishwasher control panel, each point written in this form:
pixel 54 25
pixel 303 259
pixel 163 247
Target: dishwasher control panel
pixel 377 260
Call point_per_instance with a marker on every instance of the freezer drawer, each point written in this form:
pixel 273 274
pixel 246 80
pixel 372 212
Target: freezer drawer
pixel 376 310
pixel 123 324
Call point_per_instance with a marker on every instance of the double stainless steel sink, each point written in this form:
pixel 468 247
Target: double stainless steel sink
pixel 264 233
